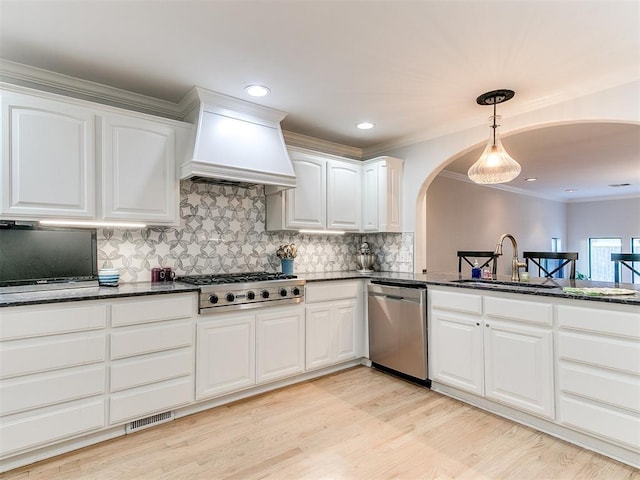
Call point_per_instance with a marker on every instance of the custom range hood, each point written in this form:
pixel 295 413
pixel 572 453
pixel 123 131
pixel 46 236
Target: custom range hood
pixel 236 142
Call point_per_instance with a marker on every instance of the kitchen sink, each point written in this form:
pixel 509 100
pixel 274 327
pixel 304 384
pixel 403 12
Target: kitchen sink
pixel 498 284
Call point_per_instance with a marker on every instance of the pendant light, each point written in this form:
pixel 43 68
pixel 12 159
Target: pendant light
pixel 495 165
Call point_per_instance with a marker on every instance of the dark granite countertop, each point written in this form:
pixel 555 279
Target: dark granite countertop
pixel 554 287
pixel 92 293
pixel 441 279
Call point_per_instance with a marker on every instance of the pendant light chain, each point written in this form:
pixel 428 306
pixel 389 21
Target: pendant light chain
pixel 494 126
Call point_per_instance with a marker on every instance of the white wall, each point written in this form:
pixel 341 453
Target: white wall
pixel 604 218
pixel 465 216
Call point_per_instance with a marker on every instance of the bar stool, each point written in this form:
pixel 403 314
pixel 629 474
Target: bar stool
pixel 625 259
pixel 567 258
pixel 490 256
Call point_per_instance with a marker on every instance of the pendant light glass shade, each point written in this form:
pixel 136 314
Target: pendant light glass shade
pixel 495 165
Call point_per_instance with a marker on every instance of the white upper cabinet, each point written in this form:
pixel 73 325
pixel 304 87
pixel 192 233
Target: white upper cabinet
pixel 343 195
pixel 382 195
pixel 306 205
pixel 48 158
pixel 68 158
pixel 138 170
pixel 327 194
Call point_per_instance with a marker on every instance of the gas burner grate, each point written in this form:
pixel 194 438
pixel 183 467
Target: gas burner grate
pixel 219 279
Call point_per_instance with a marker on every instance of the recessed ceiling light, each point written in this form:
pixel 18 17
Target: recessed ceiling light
pixel 616 185
pixel 365 125
pixel 531 179
pixel 571 190
pixel 257 90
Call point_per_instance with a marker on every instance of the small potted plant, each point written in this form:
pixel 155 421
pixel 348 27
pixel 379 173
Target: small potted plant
pixel 286 254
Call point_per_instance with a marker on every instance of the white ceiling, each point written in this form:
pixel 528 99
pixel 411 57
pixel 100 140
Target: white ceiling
pixel 414 68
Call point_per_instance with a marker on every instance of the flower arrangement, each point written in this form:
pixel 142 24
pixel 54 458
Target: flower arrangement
pixel 287 251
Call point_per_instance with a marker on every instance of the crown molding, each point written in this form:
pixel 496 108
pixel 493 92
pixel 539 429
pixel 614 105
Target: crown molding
pixel 499 186
pixel 293 139
pixel 40 79
pixel 629 196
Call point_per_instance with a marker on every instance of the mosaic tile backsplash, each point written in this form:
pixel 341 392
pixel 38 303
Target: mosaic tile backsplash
pixel 222 230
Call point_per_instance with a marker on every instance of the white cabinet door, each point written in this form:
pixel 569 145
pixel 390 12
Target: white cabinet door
pixel 225 355
pixel 382 195
pixel 343 195
pixel 334 323
pixel 306 205
pixel 348 331
pixel 390 189
pixel 518 366
pixel 280 344
pixel 456 351
pixel 370 210
pixel 319 336
pixel 139 170
pixel 48 157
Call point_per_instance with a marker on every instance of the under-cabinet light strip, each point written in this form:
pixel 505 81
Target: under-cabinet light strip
pixel 321 232
pixel 79 223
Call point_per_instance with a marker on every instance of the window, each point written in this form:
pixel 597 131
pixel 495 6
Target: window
pixel 635 248
pixel 600 264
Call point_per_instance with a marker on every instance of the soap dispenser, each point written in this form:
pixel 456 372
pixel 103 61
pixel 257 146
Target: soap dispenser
pixel 475 271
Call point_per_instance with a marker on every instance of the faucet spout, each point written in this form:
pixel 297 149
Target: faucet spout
pixel 516 264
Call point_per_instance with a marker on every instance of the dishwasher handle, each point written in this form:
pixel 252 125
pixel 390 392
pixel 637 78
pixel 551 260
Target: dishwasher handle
pixel 394 297
pixel 395 292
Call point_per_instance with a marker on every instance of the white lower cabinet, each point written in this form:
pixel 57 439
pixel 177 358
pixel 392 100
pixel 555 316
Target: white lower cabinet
pixel 497 348
pixel 52 374
pixel 225 355
pixel 279 344
pixel 506 348
pixel 239 350
pixel 456 350
pixel 599 373
pixel 334 323
pixel 519 366
pixel 152 355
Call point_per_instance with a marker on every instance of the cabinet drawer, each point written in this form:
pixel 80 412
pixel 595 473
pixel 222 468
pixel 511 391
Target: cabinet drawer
pixel 26 393
pixel 613 425
pixel 52 425
pixel 23 322
pixel 599 320
pixel 129 342
pixel 607 387
pixel 510 309
pixel 149 400
pixel 153 309
pixel 150 369
pixel 605 352
pixel 459 302
pixel 331 291
pixel 31 356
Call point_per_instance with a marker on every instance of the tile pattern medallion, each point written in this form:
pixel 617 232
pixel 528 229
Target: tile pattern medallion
pixel 222 229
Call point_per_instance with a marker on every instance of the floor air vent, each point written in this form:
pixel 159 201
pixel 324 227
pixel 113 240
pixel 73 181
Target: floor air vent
pixel 148 422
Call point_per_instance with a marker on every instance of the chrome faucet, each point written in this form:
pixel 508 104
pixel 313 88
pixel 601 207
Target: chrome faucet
pixel 516 264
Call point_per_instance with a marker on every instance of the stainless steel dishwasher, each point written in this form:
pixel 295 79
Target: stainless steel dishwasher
pixel 398 329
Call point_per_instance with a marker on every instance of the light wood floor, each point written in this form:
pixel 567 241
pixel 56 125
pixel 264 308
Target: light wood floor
pixel 357 424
